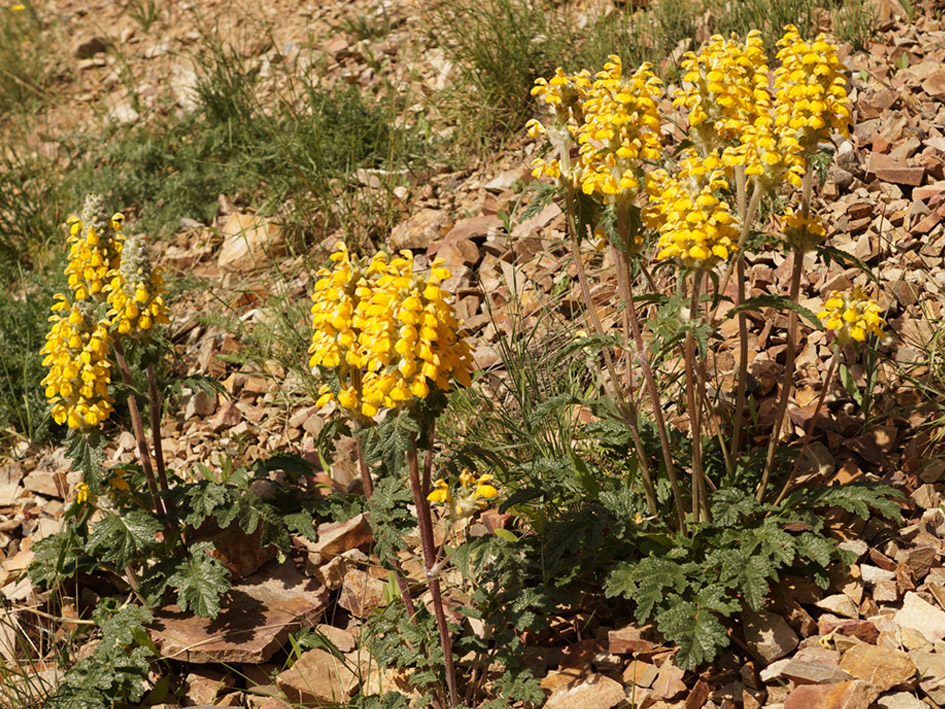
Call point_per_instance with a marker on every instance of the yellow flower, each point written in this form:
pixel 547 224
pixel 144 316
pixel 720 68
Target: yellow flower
pixel 76 351
pixel 694 225
pixel 81 493
pixel 852 316
pixel 95 244
pixel 389 334
pixel 136 293
pixel 441 492
pixel 803 234
pixel 118 482
pixel 17 8
pixel 471 495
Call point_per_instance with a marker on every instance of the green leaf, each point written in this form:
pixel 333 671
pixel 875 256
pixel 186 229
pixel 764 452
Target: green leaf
pixel 87 452
pixel 695 627
pixel 505 534
pixel 849 384
pixel 204 499
pixel 648 582
pixel 779 302
pixel 123 539
pixel 200 580
pixel 584 476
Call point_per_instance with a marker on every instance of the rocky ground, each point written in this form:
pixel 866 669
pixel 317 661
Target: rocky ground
pixel 876 638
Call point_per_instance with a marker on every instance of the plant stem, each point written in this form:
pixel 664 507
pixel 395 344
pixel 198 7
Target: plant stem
pixel 425 524
pixel 653 391
pixel 790 351
pixel 155 403
pixel 138 427
pixel 809 433
pixel 368 491
pixel 627 409
pixel 693 391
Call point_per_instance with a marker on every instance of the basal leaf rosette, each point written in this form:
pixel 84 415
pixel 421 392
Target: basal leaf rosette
pixel 136 292
pixel 389 335
pixel 852 316
pixel 810 97
pixel 77 352
pixel 694 225
pixel 95 245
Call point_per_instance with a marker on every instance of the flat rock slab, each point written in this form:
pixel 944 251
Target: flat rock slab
pixel 919 614
pixel 258 614
pixel 841 695
pixel 317 678
pixel 881 667
pixel 597 692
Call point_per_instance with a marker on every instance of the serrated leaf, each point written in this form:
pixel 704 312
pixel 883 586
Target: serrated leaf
pixel 505 534
pixel 123 539
pixel 696 629
pixel 778 302
pixel 816 548
pixel 206 498
pixel 87 452
pixel 200 580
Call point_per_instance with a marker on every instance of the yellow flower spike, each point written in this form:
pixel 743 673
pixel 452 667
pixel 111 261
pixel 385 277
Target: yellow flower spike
pixel 852 316
pixel 95 245
pixel 484 489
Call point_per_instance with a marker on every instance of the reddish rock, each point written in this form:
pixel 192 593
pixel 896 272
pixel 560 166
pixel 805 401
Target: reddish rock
pixel 862 629
pixel 630 639
pixel 934 85
pixel 474 227
pixel 339 537
pixel 883 668
pixel 420 230
pixel 361 593
pixel 596 692
pixel 841 695
pixel 668 683
pixel 249 242
pixel 888 169
pixel 257 616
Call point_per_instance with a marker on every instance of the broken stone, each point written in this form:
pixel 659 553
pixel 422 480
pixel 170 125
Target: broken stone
pixel 668 683
pixel 596 692
pixel 768 635
pixel 420 230
pixel 862 629
pixel 249 242
pixel 873 574
pixel 335 538
pixel 856 694
pixel 931 669
pixel 839 604
pixel 630 639
pixel 318 677
pixel 814 673
pixel 900 700
pixel 361 593
pixel 923 616
pixel 46 483
pixel 257 616
pixel 883 668
pixel 640 673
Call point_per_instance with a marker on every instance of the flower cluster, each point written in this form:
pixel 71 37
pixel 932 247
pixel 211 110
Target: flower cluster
pixel 471 495
pixel 95 244
pixel 388 333
pixel 613 119
pixel 136 292
pixel 852 316
pixel 695 226
pixel 727 91
pixel 803 234
pixel 77 350
pixel 810 96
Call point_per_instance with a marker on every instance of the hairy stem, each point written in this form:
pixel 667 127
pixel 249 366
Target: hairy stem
pixel 627 409
pixel 368 491
pixel 693 398
pixel 654 393
pixel 425 524
pixel 155 404
pixel 138 426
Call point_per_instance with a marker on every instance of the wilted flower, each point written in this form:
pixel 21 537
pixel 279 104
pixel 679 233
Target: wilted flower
pixel 77 350
pixel 852 316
